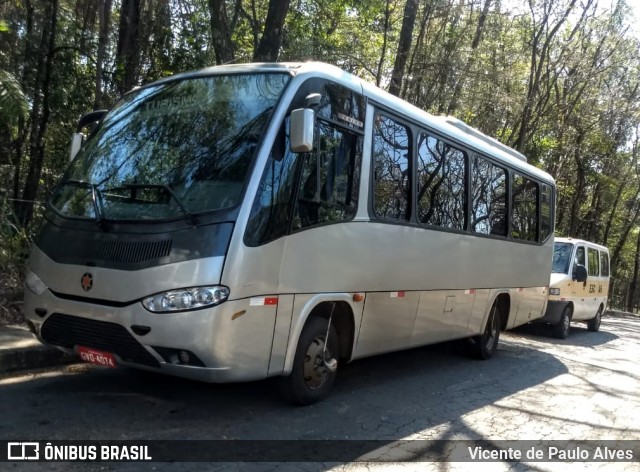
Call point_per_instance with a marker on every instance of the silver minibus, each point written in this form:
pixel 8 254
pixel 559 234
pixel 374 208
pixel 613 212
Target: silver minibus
pixel 249 221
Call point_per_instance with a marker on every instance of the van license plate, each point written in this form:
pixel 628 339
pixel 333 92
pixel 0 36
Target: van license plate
pixel 93 356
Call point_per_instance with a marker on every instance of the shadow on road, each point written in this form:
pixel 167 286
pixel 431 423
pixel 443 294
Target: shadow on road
pixel 578 336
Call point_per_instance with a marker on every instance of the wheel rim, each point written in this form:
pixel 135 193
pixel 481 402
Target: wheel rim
pixel 315 372
pixel 491 333
pixel 598 318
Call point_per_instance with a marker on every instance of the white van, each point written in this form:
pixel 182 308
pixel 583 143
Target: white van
pixel 579 285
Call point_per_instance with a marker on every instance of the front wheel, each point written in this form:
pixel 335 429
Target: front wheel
pixel 311 380
pixel 594 323
pixel 561 330
pixel 486 344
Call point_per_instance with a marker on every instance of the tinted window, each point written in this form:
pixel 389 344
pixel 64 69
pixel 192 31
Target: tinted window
pixel 271 211
pixel 489 205
pixel 561 257
pixel 172 148
pixel 524 215
pixel 392 179
pixel 330 176
pixel 546 215
pixel 441 183
pixel 604 264
pixel 594 262
pixel 580 257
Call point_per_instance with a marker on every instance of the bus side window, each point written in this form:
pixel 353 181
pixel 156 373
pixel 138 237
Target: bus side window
pixel 391 154
pixel 329 178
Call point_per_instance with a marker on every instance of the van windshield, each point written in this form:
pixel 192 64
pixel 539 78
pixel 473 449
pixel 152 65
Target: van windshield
pixel 561 258
pixel 172 150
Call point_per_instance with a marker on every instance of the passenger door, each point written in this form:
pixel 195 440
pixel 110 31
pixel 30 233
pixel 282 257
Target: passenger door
pixel 579 290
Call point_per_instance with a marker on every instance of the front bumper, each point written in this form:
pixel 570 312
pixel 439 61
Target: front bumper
pixel 229 345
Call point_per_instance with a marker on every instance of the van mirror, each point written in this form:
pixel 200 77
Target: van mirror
pixel 301 130
pixel 76 143
pixel 580 273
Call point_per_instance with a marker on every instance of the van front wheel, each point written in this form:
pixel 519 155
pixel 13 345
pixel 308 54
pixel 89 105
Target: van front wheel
pixel 561 330
pixel 311 379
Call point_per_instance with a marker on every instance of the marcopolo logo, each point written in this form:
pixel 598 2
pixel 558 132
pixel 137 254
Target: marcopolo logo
pixel 23 451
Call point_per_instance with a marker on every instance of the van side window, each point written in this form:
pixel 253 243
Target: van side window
pixel 580 259
pixel 594 262
pixel 604 264
pixel 546 220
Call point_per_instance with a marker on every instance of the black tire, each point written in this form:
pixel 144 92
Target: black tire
pixel 594 323
pixel 485 345
pixel 561 330
pixel 310 380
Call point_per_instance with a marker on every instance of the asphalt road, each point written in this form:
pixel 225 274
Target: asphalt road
pixel 536 387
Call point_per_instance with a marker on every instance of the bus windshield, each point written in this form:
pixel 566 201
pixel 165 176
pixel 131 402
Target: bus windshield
pixel 561 257
pixel 171 150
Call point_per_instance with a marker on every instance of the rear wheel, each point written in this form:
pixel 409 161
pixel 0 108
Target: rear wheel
pixel 561 330
pixel 485 345
pixel 594 323
pixel 311 380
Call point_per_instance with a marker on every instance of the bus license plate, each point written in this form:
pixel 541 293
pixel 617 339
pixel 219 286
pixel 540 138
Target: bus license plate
pixel 93 356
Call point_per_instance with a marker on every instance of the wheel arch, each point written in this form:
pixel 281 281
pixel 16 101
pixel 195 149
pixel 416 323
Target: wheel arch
pixel 343 320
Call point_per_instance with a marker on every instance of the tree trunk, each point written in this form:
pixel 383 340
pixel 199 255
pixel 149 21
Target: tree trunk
pixel 128 52
pixel 453 104
pixel 631 301
pixel 104 18
pixel 39 117
pixel 220 32
pixel 404 46
pixel 269 46
pixel 387 14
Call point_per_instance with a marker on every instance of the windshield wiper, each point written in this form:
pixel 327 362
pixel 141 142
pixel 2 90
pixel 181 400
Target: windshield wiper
pixel 95 193
pixel 190 216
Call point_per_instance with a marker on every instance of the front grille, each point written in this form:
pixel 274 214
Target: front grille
pixel 130 252
pixel 69 331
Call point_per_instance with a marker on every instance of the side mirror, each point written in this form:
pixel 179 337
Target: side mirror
pixel 301 130
pixel 90 118
pixel 580 273
pixel 76 143
pixel 78 138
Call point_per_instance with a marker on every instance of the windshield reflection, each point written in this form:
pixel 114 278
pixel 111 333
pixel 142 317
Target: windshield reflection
pixel 561 258
pixel 172 150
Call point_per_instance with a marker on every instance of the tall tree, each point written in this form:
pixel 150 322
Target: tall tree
pixel 128 51
pixel 404 45
pixel 268 49
pixel 221 32
pixel 40 113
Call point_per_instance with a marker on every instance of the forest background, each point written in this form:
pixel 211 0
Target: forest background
pixel 558 80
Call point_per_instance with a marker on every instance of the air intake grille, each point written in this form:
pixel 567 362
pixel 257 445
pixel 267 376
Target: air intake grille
pixel 126 251
pixel 69 331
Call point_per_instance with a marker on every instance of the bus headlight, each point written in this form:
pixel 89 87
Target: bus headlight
pixel 186 299
pixel 34 283
pixel 554 291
